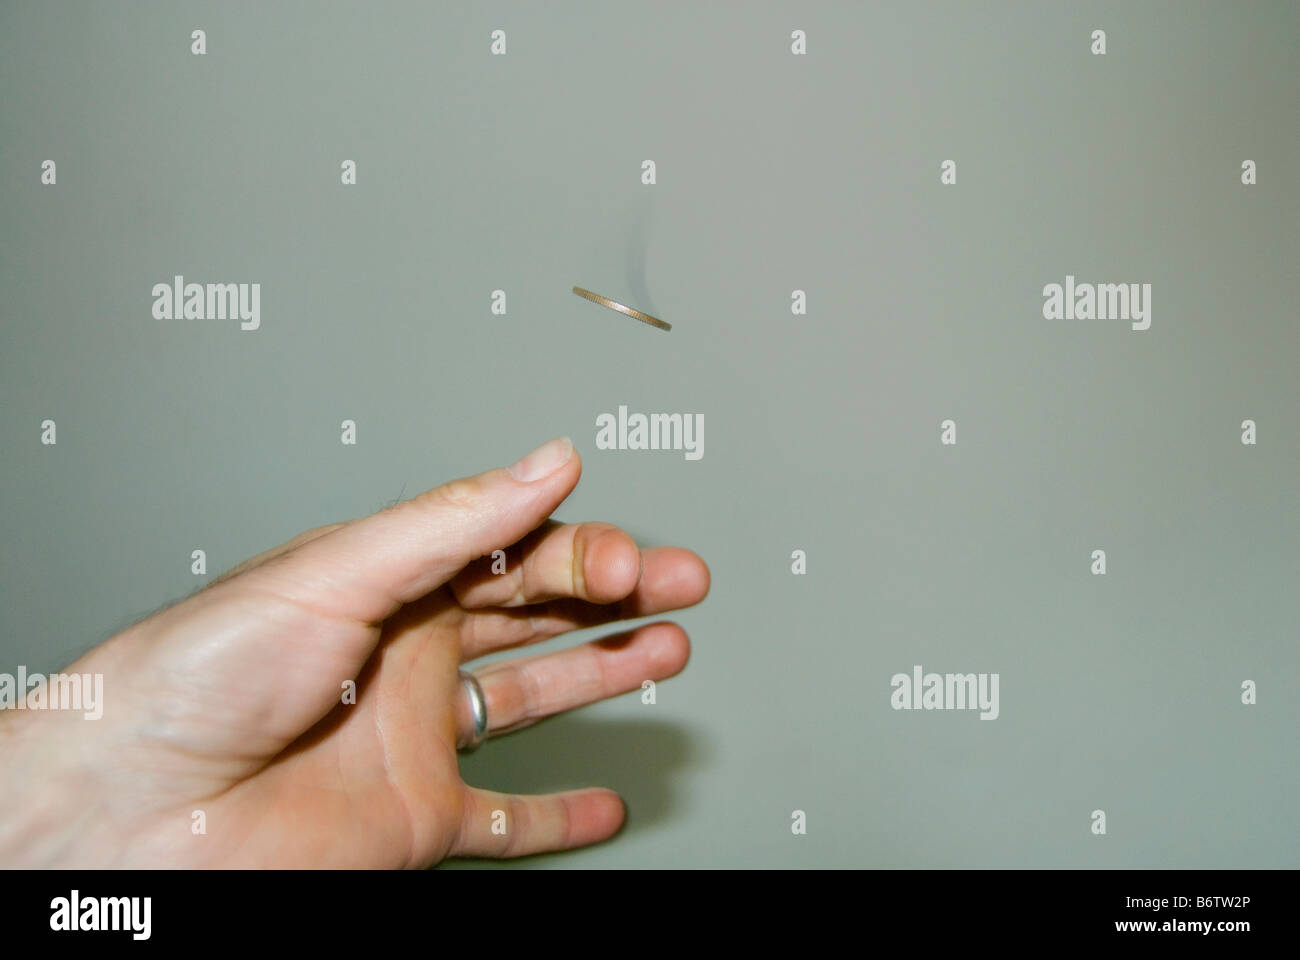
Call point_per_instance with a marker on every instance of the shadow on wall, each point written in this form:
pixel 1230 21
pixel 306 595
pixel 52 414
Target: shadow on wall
pixel 635 257
pixel 641 759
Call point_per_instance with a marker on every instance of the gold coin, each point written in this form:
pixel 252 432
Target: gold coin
pixel 615 305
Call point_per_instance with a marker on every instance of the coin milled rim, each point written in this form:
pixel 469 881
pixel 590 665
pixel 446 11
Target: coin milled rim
pixel 615 305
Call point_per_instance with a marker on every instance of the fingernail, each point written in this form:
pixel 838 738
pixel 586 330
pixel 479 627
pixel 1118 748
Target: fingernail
pixel 543 461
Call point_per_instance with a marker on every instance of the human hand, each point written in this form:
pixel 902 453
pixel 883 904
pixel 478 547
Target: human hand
pixel 231 702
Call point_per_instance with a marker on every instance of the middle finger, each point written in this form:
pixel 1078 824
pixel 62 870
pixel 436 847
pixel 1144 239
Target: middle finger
pixel 672 578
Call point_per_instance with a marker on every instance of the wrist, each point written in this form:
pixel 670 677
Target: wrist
pixel 47 804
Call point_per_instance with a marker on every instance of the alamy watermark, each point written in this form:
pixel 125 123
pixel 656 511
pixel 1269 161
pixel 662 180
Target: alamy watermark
pixel 77 913
pixel 179 300
pixel 58 691
pixel 1098 301
pixel 655 431
pixel 945 691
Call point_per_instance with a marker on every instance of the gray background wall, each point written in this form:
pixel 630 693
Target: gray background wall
pixel 775 172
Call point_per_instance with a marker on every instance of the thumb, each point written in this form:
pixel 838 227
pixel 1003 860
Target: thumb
pixel 367 569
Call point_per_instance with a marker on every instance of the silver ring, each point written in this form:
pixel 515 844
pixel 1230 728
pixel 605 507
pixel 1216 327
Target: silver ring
pixel 478 704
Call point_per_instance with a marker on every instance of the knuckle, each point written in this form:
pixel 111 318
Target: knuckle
pixel 516 825
pixel 461 494
pixel 565 814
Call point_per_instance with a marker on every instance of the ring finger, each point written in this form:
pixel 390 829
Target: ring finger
pixel 521 691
